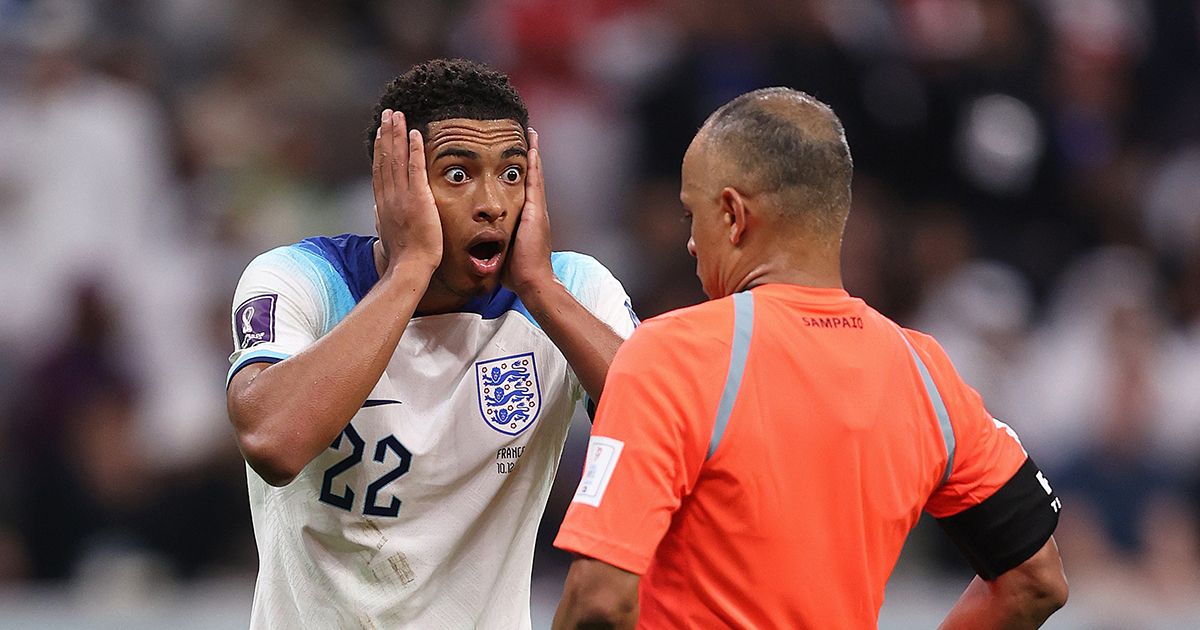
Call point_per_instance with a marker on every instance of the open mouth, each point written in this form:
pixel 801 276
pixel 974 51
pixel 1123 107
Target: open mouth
pixel 486 256
pixel 485 251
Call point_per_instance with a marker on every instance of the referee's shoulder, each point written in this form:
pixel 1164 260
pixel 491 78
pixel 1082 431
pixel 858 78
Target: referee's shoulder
pixel 711 320
pixel 930 348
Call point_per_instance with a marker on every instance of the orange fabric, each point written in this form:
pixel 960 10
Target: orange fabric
pixel 830 453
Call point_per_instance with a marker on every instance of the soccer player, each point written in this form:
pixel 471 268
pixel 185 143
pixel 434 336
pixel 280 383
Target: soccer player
pixel 758 459
pixel 402 400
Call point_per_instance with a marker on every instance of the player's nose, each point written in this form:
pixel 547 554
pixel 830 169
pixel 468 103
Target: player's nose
pixel 691 246
pixel 489 203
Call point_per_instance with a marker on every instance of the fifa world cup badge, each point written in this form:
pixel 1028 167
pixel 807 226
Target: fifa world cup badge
pixel 510 397
pixel 254 321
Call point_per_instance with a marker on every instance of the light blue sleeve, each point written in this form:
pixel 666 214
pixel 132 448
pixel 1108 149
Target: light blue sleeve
pixel 286 299
pixel 594 286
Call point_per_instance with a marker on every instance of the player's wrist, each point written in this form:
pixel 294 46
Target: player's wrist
pixel 412 260
pixel 536 287
pixel 408 274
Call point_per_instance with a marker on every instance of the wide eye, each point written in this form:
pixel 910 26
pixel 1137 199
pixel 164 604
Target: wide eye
pixel 511 174
pixel 456 175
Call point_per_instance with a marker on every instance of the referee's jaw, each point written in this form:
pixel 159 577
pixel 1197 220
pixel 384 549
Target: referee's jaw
pixel 708 264
pixel 701 210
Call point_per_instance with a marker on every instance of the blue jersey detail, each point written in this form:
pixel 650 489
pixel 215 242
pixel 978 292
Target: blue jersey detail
pixel 519 307
pixel 327 278
pixel 346 266
pixel 254 356
pixel 576 271
pixel 632 315
pixel 351 256
pixel 492 306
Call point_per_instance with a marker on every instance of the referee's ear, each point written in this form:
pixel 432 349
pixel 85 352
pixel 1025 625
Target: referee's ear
pixel 734 214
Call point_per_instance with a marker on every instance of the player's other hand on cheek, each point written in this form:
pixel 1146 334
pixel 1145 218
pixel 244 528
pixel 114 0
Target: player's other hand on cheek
pixel 410 229
pixel 528 266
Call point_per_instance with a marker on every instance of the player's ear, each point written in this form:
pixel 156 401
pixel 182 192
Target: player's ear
pixel 733 213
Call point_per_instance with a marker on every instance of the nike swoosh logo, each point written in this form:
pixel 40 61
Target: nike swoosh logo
pixel 378 402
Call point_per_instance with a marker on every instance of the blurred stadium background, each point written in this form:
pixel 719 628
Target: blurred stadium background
pixel 1027 189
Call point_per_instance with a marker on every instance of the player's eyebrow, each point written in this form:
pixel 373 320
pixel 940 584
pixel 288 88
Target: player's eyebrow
pixel 514 152
pixel 456 152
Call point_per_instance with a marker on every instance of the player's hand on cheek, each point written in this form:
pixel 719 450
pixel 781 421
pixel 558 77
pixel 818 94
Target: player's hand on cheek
pixel 529 256
pixel 405 213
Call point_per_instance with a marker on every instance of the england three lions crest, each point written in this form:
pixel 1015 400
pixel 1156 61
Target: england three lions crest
pixel 510 397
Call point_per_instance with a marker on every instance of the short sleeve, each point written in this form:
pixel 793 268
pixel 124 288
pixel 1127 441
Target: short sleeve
pixel 594 286
pixel 986 451
pixel 648 443
pixel 597 289
pixel 996 505
pixel 279 308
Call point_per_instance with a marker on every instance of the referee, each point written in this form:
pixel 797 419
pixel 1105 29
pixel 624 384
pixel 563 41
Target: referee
pixel 758 460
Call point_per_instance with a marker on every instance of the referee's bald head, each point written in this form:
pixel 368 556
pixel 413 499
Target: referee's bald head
pixel 789 147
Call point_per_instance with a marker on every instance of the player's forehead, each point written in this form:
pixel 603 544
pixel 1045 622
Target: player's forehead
pixel 485 135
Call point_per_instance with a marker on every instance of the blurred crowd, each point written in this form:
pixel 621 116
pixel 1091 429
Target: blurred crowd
pixel 1027 189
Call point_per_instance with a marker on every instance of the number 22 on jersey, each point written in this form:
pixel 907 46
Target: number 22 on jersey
pixel 384 448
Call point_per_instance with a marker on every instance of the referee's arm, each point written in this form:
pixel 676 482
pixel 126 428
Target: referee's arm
pixel 1008 539
pixel 1022 597
pixel 597 595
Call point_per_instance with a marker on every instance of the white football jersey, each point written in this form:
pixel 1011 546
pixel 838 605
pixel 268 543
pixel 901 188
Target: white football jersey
pixel 422 513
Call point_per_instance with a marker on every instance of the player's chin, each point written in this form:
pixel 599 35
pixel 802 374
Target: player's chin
pixel 474 284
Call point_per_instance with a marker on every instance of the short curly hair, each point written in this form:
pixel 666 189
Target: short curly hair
pixel 449 88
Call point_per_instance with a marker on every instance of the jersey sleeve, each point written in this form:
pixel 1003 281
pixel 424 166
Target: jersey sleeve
pixel 648 443
pixel 996 505
pixel 597 289
pixel 594 286
pixel 278 309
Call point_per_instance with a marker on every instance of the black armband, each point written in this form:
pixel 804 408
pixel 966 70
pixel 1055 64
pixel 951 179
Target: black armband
pixel 1008 527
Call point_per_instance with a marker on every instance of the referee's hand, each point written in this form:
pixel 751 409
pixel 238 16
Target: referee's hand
pixel 405 213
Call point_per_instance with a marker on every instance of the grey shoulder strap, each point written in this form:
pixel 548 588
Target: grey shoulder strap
pixel 743 327
pixel 939 406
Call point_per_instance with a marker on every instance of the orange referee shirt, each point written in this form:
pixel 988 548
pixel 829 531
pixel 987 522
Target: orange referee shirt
pixel 760 459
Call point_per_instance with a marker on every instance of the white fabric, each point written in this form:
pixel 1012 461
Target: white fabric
pixel 459 552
